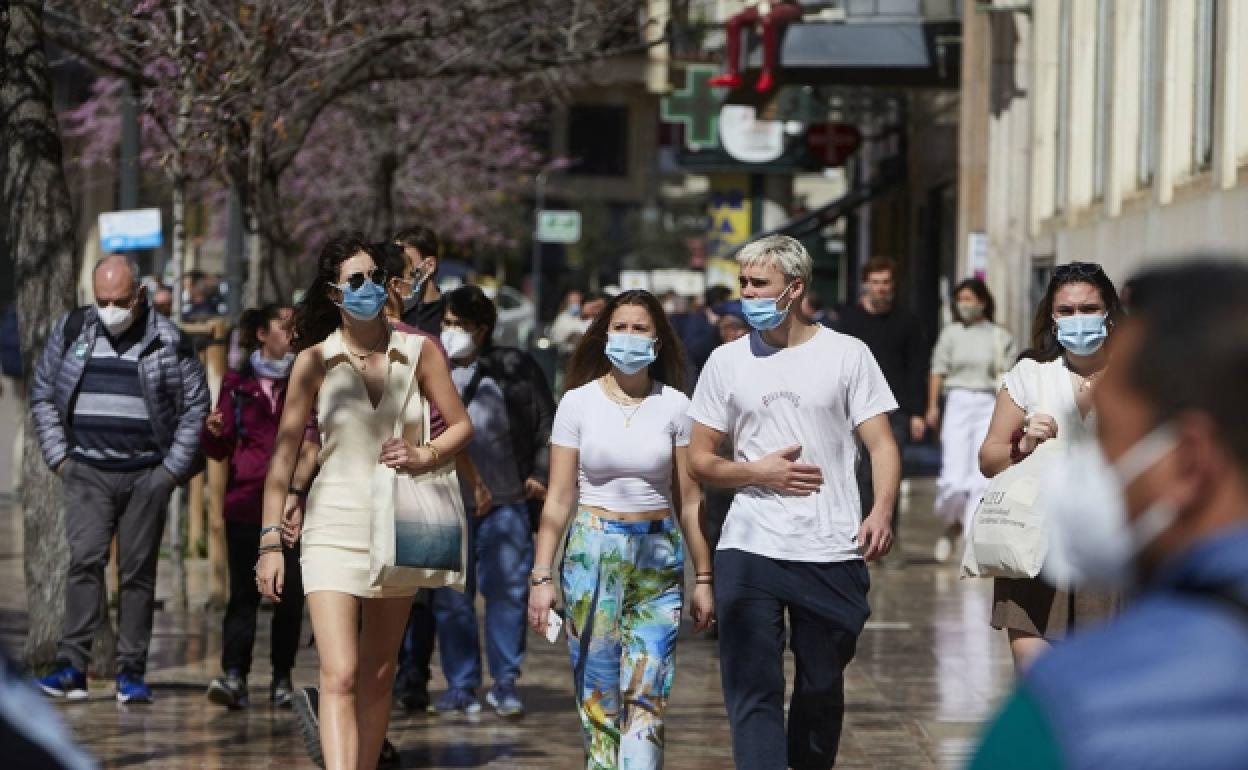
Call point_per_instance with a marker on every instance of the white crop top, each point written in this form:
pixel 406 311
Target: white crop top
pixel 623 469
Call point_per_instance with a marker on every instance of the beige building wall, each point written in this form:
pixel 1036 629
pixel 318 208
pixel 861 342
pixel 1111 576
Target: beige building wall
pixel 1174 78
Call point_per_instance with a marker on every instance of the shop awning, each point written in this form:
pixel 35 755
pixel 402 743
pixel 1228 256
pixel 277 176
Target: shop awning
pixel 905 54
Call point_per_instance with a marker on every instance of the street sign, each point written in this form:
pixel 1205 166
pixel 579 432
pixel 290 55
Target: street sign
pixel 559 226
pixel 130 230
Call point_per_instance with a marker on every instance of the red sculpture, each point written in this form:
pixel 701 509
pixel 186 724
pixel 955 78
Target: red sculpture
pixel 774 17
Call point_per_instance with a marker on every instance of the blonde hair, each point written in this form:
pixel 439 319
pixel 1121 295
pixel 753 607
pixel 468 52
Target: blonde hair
pixel 787 254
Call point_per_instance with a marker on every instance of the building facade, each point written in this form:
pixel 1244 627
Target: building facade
pixel 1113 131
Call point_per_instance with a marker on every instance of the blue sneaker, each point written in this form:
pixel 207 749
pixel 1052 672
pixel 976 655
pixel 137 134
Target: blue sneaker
pixel 65 682
pixel 132 689
pixel 458 699
pixel 505 700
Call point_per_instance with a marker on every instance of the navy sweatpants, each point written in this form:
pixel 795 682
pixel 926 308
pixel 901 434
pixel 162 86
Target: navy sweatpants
pixel 827 608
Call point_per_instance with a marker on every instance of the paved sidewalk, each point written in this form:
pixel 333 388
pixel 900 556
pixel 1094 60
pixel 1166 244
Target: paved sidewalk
pixel 928 671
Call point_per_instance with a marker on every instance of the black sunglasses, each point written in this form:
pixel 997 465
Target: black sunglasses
pixel 356 280
pixel 1077 269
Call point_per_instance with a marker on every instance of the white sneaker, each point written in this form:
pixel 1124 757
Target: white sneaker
pixel 943 549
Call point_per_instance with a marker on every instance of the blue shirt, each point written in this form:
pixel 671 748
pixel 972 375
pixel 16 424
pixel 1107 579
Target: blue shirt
pixel 1165 685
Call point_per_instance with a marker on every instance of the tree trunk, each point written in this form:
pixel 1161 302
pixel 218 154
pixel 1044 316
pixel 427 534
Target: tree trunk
pixel 40 230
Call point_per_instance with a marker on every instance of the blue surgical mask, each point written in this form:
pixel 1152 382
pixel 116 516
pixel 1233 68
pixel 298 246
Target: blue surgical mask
pixel 630 353
pixel 1082 335
pixel 765 314
pixel 364 303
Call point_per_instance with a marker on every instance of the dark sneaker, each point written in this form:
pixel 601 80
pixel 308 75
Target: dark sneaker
pixel 389 758
pixel 281 691
pixel 414 698
pixel 457 699
pixel 229 691
pixel 505 700
pixel 132 689
pixel 65 682
pixel 306 703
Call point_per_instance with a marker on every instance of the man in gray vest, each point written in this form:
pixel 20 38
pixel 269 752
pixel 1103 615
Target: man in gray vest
pixel 118 400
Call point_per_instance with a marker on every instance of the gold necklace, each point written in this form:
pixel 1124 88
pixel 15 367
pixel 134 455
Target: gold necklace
pixel 363 357
pixel 619 398
pixel 1085 382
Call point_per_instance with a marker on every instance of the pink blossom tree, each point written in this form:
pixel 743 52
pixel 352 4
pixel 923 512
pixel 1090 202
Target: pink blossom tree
pixel 324 113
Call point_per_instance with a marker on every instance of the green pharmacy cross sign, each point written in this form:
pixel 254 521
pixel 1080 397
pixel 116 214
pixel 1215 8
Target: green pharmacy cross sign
pixel 696 107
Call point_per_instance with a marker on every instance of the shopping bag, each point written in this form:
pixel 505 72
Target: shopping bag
pixel 1008 536
pixel 419 530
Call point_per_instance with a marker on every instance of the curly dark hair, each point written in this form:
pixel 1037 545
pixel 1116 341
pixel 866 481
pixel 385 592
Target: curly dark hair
pixel 1044 344
pixel 590 362
pixel 316 315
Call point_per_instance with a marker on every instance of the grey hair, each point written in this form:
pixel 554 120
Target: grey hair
pixel 787 254
pixel 135 275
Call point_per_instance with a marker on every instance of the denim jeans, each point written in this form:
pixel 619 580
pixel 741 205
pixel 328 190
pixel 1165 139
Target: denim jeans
pixel 500 556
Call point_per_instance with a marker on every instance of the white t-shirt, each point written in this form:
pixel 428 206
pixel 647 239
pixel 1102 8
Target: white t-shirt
pixel 623 469
pixel 814 394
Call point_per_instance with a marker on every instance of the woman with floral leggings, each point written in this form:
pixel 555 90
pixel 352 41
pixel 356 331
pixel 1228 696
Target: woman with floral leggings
pixel 619 455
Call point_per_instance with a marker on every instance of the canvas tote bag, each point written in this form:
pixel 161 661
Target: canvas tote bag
pixel 1008 536
pixel 419 530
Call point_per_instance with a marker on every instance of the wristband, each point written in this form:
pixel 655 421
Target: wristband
pixel 540 581
pixel 266 530
pixel 296 491
pixel 541 571
pixel 275 548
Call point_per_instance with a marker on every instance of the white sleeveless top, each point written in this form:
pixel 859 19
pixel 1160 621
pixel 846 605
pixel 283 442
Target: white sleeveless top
pixel 1046 388
pixel 339 507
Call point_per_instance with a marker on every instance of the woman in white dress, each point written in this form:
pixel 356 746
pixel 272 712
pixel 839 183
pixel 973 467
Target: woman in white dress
pixel 359 373
pixel 1047 397
pixel 971 356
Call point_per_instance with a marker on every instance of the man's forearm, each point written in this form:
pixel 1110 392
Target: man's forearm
pixel 709 468
pixel 885 479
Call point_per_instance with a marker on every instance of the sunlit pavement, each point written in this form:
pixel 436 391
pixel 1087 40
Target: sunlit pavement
pixel 928 671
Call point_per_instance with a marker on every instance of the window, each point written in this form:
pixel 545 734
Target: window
pixel 598 139
pixel 1150 81
pixel 1104 71
pixel 1206 56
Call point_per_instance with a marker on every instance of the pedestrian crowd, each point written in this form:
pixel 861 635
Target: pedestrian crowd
pixel 760 439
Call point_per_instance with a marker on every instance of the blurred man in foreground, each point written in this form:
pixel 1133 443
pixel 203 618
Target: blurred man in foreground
pixel 1161 506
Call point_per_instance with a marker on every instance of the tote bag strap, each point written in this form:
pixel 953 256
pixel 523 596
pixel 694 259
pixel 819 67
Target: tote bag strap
pixel 411 349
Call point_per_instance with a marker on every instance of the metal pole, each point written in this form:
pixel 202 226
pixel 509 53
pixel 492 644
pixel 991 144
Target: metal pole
pixel 234 253
pixel 537 254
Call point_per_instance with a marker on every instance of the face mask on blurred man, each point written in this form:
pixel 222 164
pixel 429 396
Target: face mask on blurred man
pixel 1092 542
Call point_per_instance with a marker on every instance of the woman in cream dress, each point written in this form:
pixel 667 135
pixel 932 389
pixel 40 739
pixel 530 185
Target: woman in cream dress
pixel 355 370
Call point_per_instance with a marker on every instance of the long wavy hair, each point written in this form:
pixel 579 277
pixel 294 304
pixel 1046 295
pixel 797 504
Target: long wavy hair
pixel 316 315
pixel 590 362
pixel 1044 344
